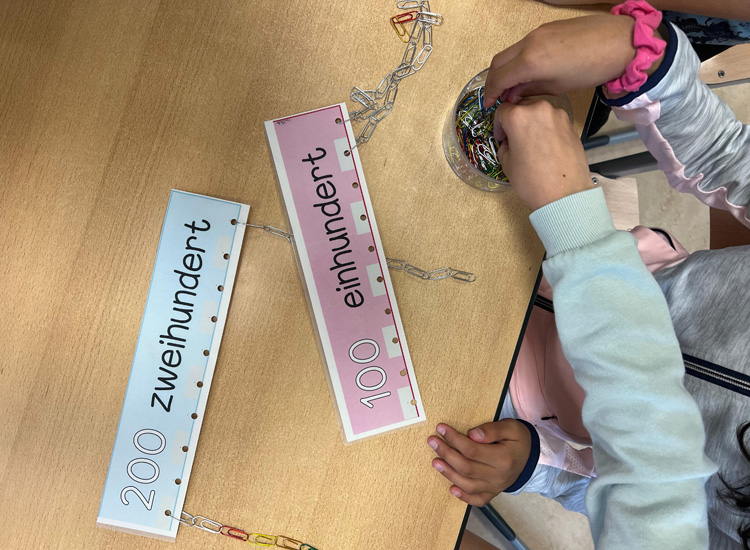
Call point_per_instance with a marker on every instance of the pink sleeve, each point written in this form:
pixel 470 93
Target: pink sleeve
pixel 562 455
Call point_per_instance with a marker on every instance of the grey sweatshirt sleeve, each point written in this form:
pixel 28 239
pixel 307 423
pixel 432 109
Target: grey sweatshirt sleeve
pixel 698 142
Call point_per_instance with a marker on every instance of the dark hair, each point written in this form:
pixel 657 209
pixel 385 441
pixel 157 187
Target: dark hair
pixel 739 495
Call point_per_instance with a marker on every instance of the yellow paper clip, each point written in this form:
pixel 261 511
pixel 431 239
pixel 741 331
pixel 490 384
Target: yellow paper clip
pixel 261 540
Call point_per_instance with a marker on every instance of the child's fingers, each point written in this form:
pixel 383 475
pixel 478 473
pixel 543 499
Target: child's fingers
pixel 465 466
pixel 468 484
pixel 503 155
pixel 499 132
pixel 499 135
pixel 494 432
pixel 510 117
pixel 527 89
pixel 468 448
pixel 503 78
pixel 500 60
pixel 473 499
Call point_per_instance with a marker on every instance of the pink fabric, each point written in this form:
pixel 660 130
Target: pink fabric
pixel 655 249
pixel 558 453
pixel 648 47
pixel 643 113
pixel 543 389
pixel 543 386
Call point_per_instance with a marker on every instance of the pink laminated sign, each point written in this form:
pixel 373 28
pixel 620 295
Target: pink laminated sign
pixel 344 271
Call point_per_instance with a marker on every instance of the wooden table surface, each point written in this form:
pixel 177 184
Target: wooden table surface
pixel 106 105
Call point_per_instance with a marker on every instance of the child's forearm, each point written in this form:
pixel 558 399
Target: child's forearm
pixel 726 9
pixel 701 146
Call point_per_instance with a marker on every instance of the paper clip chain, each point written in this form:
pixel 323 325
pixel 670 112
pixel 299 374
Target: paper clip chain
pixel 258 539
pixel 396 265
pixel 268 229
pixel 373 112
pixel 434 275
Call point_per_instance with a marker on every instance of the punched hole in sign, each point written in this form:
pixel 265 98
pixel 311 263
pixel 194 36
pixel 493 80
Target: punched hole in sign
pixel 233 222
pixel 226 256
pixel 363 217
pixel 206 352
pixel 371 248
pixel 214 318
pixel 338 121
pixel 177 481
pixel 184 448
pixel 355 185
pixel 380 279
pixel 199 384
pixel 220 288
pixel 193 416
pixel 387 311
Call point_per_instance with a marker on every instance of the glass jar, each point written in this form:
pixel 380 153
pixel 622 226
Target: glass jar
pixel 455 154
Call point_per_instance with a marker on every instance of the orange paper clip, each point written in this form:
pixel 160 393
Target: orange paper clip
pixel 399 20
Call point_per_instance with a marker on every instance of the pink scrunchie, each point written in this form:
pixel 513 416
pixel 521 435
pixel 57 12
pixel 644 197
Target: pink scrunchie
pixel 648 47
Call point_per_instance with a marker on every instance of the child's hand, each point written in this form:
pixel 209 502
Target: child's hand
pixel 484 464
pixel 540 152
pixel 561 56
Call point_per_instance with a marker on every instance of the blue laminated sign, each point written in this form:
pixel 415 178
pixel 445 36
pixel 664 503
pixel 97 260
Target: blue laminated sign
pixel 173 365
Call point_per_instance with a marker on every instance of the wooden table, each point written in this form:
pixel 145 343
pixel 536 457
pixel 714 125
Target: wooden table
pixel 105 105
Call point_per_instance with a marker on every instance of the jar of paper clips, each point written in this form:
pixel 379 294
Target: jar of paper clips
pixel 468 143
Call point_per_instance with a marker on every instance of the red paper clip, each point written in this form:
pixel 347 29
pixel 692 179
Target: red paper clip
pixel 234 533
pixel 399 20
